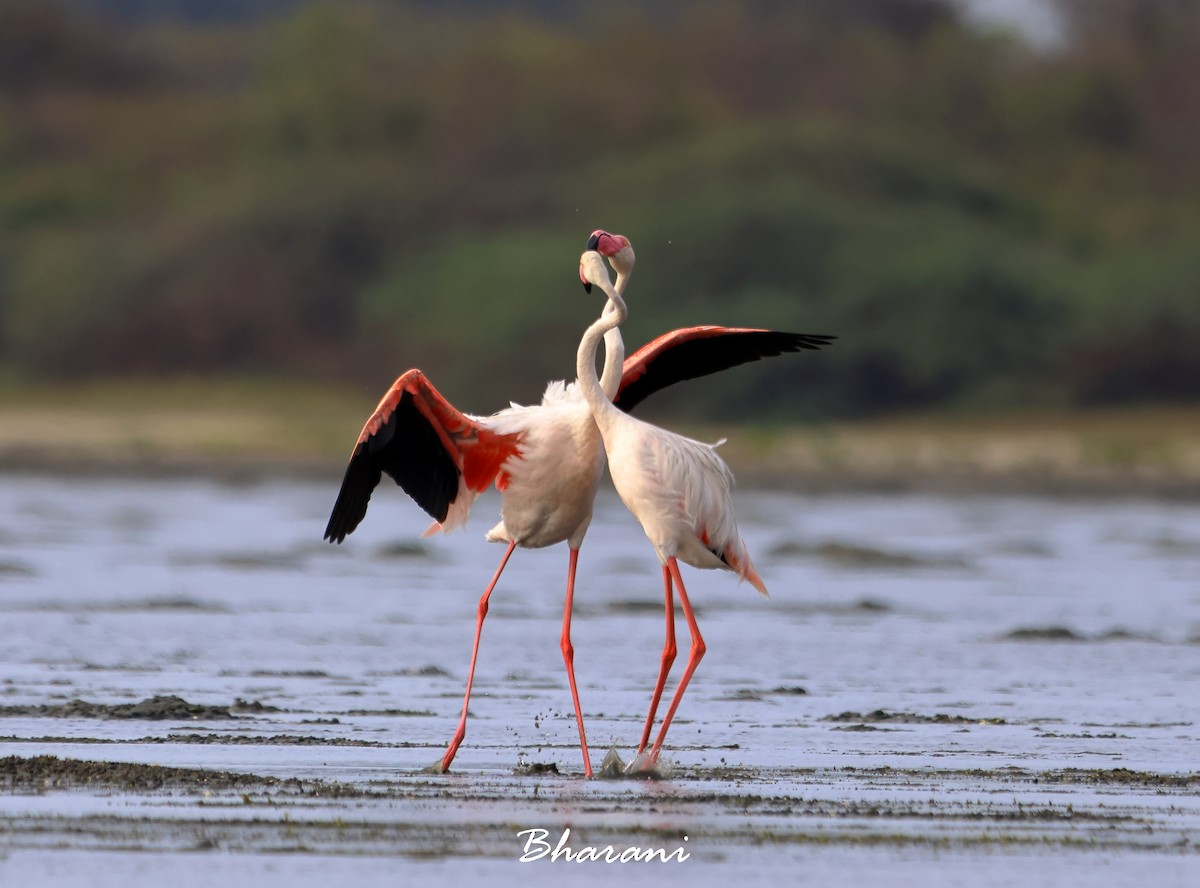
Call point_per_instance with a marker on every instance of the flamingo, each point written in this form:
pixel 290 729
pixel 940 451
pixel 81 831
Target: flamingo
pixel 545 459
pixel 677 488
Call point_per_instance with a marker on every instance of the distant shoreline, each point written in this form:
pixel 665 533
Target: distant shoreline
pixel 768 476
pixel 243 431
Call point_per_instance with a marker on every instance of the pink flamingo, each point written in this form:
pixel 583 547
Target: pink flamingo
pixel 677 488
pixel 546 459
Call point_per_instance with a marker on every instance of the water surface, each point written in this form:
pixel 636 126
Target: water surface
pixel 985 688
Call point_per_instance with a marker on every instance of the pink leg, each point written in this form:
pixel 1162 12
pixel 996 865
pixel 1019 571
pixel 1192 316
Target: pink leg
pixel 482 612
pixel 694 654
pixel 668 657
pixel 568 652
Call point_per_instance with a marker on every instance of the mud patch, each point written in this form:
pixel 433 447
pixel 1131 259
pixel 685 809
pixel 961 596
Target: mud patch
pixel 161 605
pixel 418 815
pixel 535 769
pixel 790 691
pixel 47 772
pixel 882 716
pixel 1014 774
pixel 239 561
pixel 253 707
pixel 1064 633
pixel 1119 776
pixel 402 550
pixel 140 605
pixel 288 673
pixel 634 606
pixel 854 556
pixel 271 740
pixel 1175 547
pixel 152 708
pixel 747 694
pixel 221 740
pixel 1024 548
pixel 392 713
pixel 15 570
pixel 863 607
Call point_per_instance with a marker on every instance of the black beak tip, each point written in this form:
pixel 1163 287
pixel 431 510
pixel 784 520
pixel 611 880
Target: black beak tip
pixel 587 288
pixel 594 240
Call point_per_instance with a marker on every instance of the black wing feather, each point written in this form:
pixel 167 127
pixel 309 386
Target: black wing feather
pixel 692 358
pixel 411 452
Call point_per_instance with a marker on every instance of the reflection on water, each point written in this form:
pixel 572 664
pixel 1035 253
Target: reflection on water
pixel 1057 632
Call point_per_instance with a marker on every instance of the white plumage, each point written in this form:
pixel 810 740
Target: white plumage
pixel 552 484
pixel 678 488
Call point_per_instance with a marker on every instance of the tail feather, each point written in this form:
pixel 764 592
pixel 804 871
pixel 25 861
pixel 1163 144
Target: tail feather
pixel 750 575
pixel 738 559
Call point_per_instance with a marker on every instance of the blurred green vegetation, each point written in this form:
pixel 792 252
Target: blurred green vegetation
pixel 350 189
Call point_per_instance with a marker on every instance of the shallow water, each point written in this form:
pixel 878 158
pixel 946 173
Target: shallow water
pixel 939 689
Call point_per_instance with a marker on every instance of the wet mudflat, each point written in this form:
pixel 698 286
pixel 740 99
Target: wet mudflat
pixel 195 688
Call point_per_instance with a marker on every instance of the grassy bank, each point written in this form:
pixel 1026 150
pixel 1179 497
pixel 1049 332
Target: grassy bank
pixel 1143 450
pixel 181 425
pixel 230 427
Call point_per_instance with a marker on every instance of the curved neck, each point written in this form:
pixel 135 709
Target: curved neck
pixel 614 314
pixel 614 347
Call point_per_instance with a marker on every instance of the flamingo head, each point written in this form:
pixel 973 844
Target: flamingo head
pixel 592 271
pixel 615 247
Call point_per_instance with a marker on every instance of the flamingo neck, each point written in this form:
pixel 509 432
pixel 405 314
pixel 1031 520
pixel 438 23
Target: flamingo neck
pixel 613 316
pixel 614 347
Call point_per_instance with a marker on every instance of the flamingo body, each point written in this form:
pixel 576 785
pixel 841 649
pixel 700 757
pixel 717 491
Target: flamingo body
pixel 676 487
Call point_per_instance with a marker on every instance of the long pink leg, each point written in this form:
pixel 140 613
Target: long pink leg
pixel 668 657
pixel 568 652
pixel 694 654
pixel 481 613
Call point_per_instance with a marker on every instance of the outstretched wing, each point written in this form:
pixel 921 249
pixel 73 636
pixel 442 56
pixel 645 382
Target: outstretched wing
pixel 698 351
pixel 441 457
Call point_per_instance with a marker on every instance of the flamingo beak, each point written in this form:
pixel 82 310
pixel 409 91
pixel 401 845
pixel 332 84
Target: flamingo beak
pixel 607 244
pixel 587 286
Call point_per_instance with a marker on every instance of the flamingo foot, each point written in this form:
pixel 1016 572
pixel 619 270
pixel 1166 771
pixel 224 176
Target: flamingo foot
pixel 613 767
pixel 648 766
